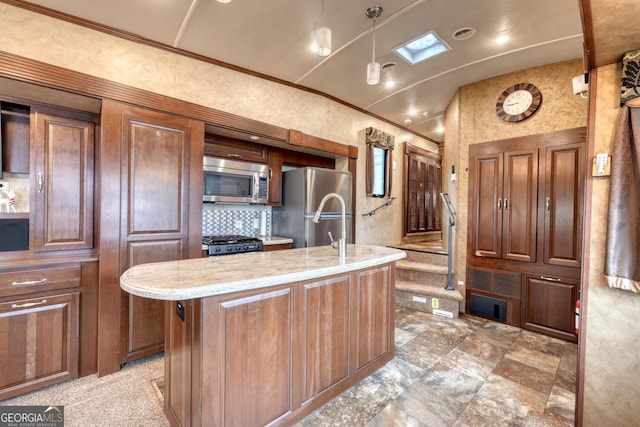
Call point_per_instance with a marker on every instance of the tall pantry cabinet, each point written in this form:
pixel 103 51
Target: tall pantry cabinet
pixel 526 203
pixel 151 197
pixel 48 286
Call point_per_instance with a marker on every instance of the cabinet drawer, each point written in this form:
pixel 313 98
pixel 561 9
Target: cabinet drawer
pixel 39 280
pixel 41 342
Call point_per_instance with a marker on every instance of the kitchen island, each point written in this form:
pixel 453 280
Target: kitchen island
pixel 264 338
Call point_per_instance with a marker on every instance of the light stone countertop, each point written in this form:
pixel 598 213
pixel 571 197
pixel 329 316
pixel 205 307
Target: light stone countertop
pixel 202 277
pixel 275 240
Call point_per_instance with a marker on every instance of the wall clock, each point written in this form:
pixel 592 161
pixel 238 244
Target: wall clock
pixel 518 102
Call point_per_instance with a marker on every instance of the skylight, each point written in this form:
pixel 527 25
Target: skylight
pixel 422 47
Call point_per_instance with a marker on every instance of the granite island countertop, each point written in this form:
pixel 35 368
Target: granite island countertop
pixel 202 277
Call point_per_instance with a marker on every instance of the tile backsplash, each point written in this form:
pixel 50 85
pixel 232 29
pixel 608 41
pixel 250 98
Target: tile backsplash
pixel 220 219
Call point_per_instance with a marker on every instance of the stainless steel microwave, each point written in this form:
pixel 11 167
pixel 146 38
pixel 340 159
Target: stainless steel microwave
pixel 231 181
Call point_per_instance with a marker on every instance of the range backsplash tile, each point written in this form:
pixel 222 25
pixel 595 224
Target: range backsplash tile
pixel 220 219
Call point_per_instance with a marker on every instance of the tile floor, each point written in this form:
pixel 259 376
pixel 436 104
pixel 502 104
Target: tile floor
pixel 447 372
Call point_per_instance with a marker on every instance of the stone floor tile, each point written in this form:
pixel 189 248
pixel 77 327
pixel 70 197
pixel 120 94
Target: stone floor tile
pixel 525 375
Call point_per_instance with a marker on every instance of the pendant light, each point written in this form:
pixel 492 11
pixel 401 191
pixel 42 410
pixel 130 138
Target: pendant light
pixel 323 37
pixel 373 68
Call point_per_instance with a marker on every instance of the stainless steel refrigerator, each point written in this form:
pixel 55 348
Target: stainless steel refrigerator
pixel 303 189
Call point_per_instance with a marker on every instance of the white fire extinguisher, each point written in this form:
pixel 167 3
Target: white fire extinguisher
pixel 577 311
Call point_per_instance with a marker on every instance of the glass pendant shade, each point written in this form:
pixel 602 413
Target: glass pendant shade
pixel 373 73
pixel 323 36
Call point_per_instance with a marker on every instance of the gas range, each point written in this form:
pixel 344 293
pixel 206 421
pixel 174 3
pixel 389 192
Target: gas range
pixel 231 244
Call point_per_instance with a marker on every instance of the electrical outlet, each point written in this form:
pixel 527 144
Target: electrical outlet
pixel 4 185
pixel 423 300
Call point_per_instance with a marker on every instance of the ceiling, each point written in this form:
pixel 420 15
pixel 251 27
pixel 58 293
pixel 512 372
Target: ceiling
pixel 273 38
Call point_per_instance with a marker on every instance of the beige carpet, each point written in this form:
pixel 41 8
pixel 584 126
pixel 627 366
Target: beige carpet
pixel 129 397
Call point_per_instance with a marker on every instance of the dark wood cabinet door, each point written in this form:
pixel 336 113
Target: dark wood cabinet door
pixel 564 194
pixel 373 315
pixel 548 305
pixel 62 183
pixel 258 337
pixel 235 149
pixel 486 195
pixel 14 135
pixel 275 177
pixel 423 194
pixel 43 347
pixel 519 203
pixel 326 332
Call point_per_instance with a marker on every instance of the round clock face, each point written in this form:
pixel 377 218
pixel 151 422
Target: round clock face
pixel 518 102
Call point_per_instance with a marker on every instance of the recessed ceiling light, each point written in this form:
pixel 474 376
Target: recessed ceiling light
pixel 425 114
pixel 440 129
pixel 224 1
pixel 502 39
pixel 422 47
pixel 408 121
pixel 390 83
pixel 412 112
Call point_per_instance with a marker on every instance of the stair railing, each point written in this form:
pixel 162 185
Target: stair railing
pixel 387 203
pixel 452 222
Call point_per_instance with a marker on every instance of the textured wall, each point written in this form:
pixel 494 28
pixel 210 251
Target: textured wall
pixel 612 366
pixel 77 48
pixel 478 122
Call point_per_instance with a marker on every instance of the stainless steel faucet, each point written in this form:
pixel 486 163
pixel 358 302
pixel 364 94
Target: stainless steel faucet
pixel 342 242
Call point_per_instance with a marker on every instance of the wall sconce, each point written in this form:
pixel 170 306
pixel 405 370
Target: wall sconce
pixel 580 86
pixel 373 68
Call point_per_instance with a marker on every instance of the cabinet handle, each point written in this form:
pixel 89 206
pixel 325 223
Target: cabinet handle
pixel 29 304
pixel 550 279
pixel 548 204
pixel 270 173
pixel 506 205
pixel 234 156
pixel 40 182
pixel 499 205
pixel 30 282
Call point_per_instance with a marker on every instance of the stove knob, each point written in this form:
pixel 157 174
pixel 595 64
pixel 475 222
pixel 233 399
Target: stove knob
pixel 217 249
pixel 229 248
pixel 237 247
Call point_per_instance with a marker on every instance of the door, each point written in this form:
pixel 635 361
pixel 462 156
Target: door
pixel 423 188
pixel 62 183
pixel 504 198
pixel 563 204
pixel 155 223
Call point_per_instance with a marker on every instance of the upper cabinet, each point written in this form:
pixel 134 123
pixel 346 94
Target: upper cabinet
pixel 230 148
pixel 14 137
pixel 62 183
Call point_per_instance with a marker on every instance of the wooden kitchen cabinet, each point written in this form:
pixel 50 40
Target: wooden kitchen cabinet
pixel 563 204
pixel 235 149
pixel 275 177
pixel 62 176
pixel 270 356
pixel 526 207
pixel 15 137
pixel 40 341
pixel 151 211
pixel 548 304
pixel 504 199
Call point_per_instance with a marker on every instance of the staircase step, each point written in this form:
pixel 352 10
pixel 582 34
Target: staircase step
pixel 421 297
pixel 438 257
pixel 405 264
